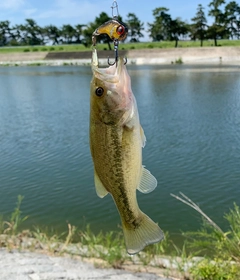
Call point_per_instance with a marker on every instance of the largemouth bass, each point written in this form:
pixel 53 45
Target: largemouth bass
pixel 116 141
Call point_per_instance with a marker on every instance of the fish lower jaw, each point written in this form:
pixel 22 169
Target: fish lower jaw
pixel 94 58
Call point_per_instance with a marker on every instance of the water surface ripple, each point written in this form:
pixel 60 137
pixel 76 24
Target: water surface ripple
pixel 191 118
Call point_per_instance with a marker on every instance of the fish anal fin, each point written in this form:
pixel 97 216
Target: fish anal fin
pixel 100 189
pixel 146 233
pixel 148 182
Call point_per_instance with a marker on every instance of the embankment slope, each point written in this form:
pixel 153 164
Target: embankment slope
pixel 205 55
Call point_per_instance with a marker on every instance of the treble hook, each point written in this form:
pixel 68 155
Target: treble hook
pixel 115 62
pixel 116 42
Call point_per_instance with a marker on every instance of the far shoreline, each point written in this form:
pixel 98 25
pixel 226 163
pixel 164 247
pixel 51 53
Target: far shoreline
pixel 156 56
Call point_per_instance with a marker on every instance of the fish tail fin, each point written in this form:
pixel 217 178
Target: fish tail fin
pixel 146 233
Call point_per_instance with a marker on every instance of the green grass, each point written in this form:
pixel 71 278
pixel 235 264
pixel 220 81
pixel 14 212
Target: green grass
pixel 220 249
pixel 218 252
pixel 216 269
pixel 34 64
pixel 122 46
pixel 12 226
pixel 58 48
pixel 1 224
pixel 181 44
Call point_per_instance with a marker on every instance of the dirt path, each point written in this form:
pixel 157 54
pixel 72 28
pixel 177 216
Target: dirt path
pixel 26 265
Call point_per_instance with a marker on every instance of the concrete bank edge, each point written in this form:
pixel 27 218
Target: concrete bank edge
pixel 208 55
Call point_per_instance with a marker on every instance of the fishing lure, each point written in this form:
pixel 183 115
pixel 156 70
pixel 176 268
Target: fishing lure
pixel 115 29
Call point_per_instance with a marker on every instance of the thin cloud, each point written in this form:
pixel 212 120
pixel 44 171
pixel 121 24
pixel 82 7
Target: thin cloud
pixel 12 4
pixel 30 12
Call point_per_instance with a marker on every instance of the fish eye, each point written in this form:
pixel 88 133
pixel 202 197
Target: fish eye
pixel 99 91
pixel 120 30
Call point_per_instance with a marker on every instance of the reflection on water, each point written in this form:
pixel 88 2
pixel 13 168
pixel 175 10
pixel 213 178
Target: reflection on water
pixel 191 118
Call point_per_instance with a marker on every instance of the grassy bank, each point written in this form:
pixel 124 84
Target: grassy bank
pixel 209 253
pixel 122 46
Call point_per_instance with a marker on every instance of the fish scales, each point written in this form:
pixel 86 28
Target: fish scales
pixel 116 141
pixel 112 163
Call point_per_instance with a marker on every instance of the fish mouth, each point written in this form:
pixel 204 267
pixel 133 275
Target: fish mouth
pixel 110 74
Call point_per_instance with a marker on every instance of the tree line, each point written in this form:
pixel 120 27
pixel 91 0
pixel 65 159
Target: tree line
pixel 225 25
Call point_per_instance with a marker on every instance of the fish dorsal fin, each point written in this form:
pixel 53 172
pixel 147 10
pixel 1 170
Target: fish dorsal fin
pixel 148 182
pixel 100 189
pixel 143 137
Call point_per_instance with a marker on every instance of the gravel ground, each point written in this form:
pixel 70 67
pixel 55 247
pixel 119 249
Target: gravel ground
pixel 25 265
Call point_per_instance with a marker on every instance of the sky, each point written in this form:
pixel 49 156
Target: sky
pixel 59 12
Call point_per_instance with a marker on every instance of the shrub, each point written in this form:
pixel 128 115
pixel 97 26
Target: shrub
pixel 150 46
pixel 179 61
pixel 215 270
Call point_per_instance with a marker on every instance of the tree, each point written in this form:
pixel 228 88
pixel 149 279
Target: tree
pixel 15 36
pixel 164 28
pixel 5 33
pixel 177 29
pixel 135 26
pixel 67 33
pixel 217 29
pixel 79 32
pixel 52 33
pixel 199 26
pixel 159 29
pixel 31 33
pixel 232 14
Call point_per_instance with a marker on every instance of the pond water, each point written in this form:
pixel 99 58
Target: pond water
pixel 191 118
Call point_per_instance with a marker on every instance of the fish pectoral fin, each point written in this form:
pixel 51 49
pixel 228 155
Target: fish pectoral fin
pixel 143 137
pixel 100 189
pixel 148 182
